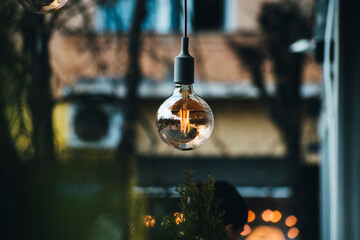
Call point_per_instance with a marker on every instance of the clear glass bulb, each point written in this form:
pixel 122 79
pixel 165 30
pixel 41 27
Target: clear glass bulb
pixel 184 121
pixel 42 6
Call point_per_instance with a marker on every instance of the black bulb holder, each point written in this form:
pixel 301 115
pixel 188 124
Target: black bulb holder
pixel 184 65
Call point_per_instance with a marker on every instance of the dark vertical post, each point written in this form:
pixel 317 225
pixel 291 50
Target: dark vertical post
pixel 41 172
pixel 349 119
pixel 126 154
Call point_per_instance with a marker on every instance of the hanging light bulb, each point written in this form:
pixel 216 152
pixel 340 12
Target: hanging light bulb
pixel 184 121
pixel 42 6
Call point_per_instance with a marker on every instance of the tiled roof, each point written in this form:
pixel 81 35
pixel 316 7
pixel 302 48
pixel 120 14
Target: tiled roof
pixel 74 58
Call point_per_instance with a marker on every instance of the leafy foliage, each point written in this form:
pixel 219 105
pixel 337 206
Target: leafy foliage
pixel 14 84
pixel 199 217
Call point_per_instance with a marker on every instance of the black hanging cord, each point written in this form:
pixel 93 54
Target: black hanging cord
pixel 184 62
pixel 185 18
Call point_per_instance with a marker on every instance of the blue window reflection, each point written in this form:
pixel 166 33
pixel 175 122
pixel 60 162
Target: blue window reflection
pixel 163 16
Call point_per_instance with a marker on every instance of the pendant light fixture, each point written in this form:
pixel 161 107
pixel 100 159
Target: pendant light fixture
pixel 184 120
pixel 42 6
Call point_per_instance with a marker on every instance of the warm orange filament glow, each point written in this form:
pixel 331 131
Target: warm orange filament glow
pixel 54 5
pixel 293 233
pixel 184 121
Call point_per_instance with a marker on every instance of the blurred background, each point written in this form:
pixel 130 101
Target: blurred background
pixel 80 154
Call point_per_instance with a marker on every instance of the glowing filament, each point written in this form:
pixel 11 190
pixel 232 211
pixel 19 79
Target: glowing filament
pixel 54 5
pixel 184 121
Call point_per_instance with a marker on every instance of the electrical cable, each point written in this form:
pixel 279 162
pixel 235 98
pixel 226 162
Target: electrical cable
pixel 185 18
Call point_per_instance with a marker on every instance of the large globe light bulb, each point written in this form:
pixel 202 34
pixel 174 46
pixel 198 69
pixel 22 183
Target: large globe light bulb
pixel 42 6
pixel 184 121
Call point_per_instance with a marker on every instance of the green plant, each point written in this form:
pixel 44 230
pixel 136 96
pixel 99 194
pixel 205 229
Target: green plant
pixel 199 218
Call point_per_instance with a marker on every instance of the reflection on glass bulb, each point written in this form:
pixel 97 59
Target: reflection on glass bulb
pixel 42 6
pixel 184 121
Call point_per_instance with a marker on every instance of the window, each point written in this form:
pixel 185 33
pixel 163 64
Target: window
pixel 113 16
pixel 208 15
pixel 163 16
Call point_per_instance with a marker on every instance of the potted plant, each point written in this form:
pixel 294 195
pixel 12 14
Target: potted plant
pixel 199 217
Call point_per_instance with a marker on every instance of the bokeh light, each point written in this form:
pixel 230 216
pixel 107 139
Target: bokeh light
pixel 291 221
pixel 247 230
pixel 293 233
pixel 179 218
pixel 266 233
pixel 276 216
pixel 251 216
pixel 149 221
pixel 267 215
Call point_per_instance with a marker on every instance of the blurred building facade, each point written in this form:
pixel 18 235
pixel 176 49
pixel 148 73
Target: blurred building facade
pixel 246 147
pixel 241 129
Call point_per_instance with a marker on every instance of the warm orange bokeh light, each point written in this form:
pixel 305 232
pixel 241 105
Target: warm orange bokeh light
pixel 179 218
pixel 266 233
pixel 247 230
pixel 251 216
pixel 293 233
pixel 267 215
pixel 291 221
pixel 149 221
pixel 276 216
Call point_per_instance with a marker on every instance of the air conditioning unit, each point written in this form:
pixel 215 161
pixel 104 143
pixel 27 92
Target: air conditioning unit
pixel 94 124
